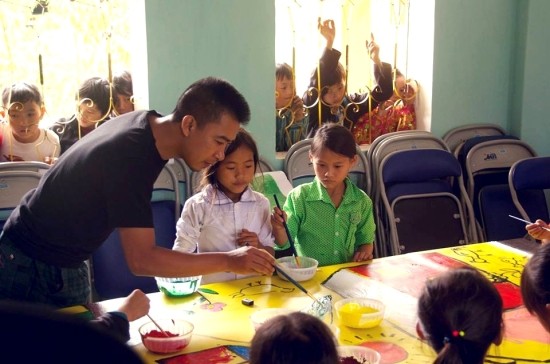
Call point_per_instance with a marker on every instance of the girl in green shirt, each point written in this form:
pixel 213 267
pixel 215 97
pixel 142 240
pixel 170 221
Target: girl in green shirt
pixel 330 219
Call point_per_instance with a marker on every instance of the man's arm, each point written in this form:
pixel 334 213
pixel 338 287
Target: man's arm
pixel 145 258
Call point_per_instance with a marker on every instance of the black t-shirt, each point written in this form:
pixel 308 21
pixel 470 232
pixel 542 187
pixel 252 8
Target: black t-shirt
pixel 105 181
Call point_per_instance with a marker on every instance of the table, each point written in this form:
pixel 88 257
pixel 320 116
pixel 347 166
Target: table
pixel 223 329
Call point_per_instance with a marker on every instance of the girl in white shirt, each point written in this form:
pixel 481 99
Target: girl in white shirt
pixel 227 214
pixel 24 139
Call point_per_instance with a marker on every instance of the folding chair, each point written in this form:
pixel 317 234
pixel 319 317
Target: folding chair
pixel 111 276
pixel 33 166
pixel 528 180
pixel 383 146
pixel 456 137
pixel 13 186
pixel 487 163
pixel 183 174
pixel 419 200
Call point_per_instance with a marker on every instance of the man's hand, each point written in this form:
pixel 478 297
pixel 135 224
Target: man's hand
pixel 249 260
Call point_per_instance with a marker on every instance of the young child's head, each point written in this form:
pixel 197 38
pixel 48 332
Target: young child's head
pixel 535 285
pixel 460 315
pixel 123 92
pixel 284 85
pixel 333 153
pixel 296 338
pixel 235 172
pixel 24 109
pixel 333 86
pixel 402 89
pixel 94 101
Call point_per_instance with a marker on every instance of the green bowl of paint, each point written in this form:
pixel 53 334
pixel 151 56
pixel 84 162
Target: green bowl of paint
pixel 178 287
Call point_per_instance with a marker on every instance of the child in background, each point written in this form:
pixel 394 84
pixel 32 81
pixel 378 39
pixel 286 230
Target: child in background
pixel 296 338
pixel 538 231
pixel 291 119
pixel 460 315
pixel 330 219
pixel 332 77
pixel 535 285
pixel 94 106
pixel 227 214
pixel 25 140
pixel 123 93
pixel 395 114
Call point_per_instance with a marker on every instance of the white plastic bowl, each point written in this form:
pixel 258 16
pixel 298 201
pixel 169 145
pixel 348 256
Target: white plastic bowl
pixel 361 354
pixel 306 270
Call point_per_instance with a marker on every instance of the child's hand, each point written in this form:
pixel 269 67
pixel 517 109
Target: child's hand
pixel 297 109
pixel 374 50
pixel 327 30
pixel 363 253
pixel 136 305
pixel 278 217
pixel 248 238
pixel 537 230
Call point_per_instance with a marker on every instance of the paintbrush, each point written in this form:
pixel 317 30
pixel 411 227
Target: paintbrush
pixel 294 282
pixel 290 240
pixel 528 222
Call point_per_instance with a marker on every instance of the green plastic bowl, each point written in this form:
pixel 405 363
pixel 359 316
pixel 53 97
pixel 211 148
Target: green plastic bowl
pixel 178 287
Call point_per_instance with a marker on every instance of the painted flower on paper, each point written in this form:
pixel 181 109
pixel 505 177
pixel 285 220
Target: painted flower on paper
pixel 213 307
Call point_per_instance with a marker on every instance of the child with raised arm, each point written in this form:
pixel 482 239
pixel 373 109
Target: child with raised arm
pixel 291 119
pixel 227 214
pixel 24 139
pixel 330 78
pixel 535 285
pixel 460 315
pixel 330 219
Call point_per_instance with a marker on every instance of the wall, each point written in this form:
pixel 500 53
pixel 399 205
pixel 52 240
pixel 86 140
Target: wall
pixel 188 40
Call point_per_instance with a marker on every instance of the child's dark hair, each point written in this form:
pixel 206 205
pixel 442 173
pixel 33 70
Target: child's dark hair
pixel 21 92
pixel 296 338
pixel 335 137
pixel 98 90
pixel 122 84
pixel 460 314
pixel 207 99
pixel 283 70
pixel 243 139
pixel 535 285
pixel 329 77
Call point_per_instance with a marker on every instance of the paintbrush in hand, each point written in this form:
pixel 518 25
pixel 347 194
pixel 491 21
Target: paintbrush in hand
pixel 290 240
pixel 294 282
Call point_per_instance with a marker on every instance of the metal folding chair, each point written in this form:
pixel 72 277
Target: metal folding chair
pixel 487 161
pixel 423 211
pixel 529 182
pixel 456 137
pixel 13 186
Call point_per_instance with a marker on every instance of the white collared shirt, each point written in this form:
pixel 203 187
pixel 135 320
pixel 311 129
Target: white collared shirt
pixel 214 221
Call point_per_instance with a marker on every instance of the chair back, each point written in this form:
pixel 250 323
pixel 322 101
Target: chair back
pixel 419 203
pixel 33 166
pixel 529 181
pixel 13 186
pixel 299 169
pixel 183 174
pixel 487 161
pixel 456 137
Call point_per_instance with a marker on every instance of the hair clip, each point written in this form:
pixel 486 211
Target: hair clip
pixel 457 333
